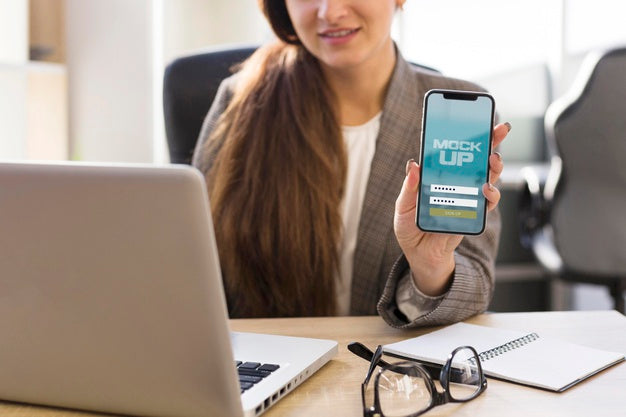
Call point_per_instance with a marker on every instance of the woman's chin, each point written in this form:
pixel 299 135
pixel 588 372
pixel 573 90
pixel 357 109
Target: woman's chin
pixel 342 62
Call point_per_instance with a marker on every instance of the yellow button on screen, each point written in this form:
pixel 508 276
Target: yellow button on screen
pixel 460 214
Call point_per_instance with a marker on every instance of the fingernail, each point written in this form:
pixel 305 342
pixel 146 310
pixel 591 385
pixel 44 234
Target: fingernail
pixel 508 125
pixel 408 165
pixel 490 187
pixel 499 155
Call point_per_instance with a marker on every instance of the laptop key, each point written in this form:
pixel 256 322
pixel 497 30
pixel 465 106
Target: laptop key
pixel 246 385
pixel 268 367
pixel 253 372
pixel 249 365
pixel 248 378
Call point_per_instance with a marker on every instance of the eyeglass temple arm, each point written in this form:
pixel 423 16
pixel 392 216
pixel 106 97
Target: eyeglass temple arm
pixel 364 352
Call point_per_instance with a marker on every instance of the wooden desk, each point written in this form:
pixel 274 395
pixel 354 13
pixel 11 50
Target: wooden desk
pixel 335 389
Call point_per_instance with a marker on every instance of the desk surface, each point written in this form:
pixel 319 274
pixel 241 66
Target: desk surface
pixel 335 389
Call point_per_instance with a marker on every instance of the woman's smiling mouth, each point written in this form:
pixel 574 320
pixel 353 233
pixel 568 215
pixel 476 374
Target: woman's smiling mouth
pixel 338 36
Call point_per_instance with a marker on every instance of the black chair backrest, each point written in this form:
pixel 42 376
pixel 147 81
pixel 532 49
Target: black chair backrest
pixel 189 87
pixel 588 129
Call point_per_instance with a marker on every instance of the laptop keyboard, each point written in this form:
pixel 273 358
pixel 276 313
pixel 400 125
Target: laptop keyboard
pixel 251 373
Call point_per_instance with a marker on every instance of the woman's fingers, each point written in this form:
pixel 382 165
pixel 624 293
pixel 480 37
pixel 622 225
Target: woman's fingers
pixel 406 201
pixel 495 163
pixel 499 133
pixel 495 167
pixel 406 231
pixel 492 194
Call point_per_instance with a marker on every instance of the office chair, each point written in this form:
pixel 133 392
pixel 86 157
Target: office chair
pixel 575 223
pixel 189 87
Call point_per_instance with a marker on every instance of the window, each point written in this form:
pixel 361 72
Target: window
pixel 470 39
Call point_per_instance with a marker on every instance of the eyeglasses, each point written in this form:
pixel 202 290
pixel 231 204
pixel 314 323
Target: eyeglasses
pixel 407 389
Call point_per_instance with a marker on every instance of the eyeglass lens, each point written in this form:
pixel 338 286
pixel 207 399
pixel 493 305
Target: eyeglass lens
pixel 402 391
pixel 464 378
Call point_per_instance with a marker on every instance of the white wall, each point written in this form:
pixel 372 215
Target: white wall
pixel 46 112
pixel 13 31
pixel 116 53
pixel 33 117
pixel 13 78
pixel 33 111
pixel 189 25
pixel 109 61
pixel 13 92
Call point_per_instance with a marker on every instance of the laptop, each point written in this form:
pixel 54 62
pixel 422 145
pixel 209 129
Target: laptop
pixel 111 298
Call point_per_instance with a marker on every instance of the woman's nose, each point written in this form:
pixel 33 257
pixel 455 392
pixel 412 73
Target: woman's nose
pixel 331 10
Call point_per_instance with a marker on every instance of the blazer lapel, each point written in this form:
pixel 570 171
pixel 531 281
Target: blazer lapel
pixel 398 140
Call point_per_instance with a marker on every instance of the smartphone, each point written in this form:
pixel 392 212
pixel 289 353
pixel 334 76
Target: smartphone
pixel 457 129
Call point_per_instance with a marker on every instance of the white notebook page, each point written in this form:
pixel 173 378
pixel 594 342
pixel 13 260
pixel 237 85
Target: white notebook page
pixel 533 360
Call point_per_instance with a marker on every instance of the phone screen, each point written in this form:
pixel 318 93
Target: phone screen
pixel 456 144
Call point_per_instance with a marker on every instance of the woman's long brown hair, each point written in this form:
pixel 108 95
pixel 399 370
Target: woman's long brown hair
pixel 277 181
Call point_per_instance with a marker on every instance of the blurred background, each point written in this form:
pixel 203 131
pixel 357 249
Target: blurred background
pixel 83 80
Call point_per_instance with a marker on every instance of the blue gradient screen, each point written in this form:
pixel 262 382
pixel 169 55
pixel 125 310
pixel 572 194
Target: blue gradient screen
pixel 456 142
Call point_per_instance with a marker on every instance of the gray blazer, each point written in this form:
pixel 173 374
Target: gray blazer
pixel 378 260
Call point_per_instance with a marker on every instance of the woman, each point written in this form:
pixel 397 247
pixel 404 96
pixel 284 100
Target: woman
pixel 304 152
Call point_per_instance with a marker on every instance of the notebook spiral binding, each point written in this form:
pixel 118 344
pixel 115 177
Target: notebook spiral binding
pixel 513 344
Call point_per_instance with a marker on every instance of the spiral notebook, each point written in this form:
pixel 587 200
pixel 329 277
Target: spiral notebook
pixel 521 357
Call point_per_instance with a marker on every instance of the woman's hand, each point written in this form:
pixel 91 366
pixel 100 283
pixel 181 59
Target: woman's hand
pixel 431 255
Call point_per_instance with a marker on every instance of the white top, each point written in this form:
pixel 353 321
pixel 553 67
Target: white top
pixel 360 145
